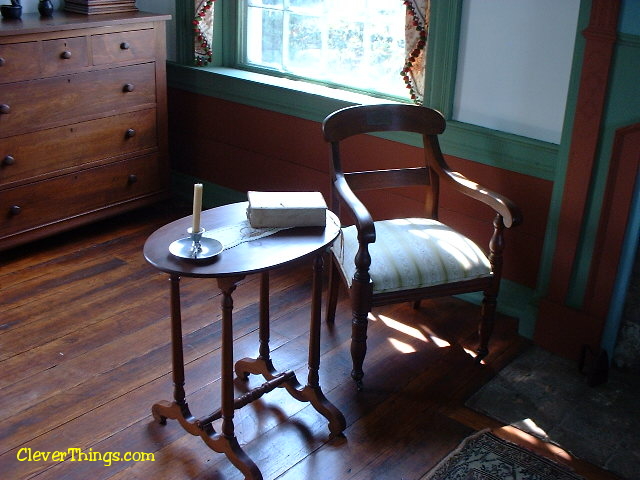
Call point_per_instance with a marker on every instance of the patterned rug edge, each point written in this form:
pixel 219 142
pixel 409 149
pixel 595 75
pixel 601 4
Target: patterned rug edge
pixel 454 465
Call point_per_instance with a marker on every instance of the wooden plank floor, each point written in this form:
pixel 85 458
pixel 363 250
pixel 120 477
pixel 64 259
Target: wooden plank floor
pixel 85 352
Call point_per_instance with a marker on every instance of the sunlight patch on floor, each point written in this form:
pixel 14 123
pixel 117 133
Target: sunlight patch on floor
pixel 529 425
pixel 473 354
pixel 413 332
pixel 440 342
pixel 401 327
pixel 401 347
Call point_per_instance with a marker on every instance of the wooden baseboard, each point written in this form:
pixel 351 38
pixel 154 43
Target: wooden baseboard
pixel 563 330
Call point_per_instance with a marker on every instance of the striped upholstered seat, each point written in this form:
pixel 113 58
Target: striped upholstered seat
pixel 412 253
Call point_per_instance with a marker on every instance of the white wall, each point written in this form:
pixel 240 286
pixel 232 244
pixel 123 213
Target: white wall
pixel 31 6
pixel 514 63
pixel 163 6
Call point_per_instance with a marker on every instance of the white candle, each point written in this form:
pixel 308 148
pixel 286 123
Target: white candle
pixel 197 206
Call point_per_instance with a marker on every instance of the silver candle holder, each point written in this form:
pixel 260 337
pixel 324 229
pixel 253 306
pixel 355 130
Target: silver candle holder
pixel 196 237
pixel 196 246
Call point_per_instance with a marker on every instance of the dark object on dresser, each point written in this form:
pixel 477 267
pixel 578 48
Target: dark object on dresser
pixel 13 11
pixel 45 8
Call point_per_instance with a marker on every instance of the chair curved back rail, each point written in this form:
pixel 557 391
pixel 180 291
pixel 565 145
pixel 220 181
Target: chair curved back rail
pixel 351 121
pixel 413 264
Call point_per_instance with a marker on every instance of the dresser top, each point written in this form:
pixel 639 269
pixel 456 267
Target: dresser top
pixel 61 20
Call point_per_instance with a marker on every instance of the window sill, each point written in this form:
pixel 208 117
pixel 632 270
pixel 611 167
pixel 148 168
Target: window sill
pixel 291 97
pixel 315 102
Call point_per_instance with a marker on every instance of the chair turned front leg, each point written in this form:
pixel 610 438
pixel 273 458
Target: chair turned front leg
pixel 485 329
pixel 489 302
pixel 358 346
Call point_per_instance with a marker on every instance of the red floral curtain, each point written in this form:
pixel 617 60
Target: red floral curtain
pixel 203 32
pixel 416 28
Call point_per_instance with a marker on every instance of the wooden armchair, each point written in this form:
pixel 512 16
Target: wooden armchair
pixel 407 259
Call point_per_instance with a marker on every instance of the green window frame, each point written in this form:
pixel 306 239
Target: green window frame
pixel 222 80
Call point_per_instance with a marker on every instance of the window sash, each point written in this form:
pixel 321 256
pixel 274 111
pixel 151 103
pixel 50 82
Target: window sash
pixel 390 86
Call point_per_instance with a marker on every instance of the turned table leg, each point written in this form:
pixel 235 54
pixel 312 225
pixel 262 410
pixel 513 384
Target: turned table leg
pixel 262 365
pixel 232 449
pixel 176 343
pixel 265 353
pixel 163 410
pixel 312 390
pixel 225 442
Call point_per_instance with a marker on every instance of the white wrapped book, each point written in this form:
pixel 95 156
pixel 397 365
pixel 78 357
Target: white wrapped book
pixel 286 209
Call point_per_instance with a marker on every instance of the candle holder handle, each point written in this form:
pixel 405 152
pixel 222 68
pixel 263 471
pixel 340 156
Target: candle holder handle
pixel 195 246
pixel 196 237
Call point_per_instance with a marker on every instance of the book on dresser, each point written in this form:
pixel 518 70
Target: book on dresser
pixel 91 7
pixel 83 120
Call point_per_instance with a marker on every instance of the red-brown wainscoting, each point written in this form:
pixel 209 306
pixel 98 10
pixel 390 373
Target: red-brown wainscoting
pixel 247 148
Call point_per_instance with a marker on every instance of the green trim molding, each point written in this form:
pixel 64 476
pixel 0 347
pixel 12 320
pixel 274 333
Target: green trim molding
pixel 315 102
pixel 212 195
pixel 622 109
pixel 551 232
pixel 442 54
pixel 514 300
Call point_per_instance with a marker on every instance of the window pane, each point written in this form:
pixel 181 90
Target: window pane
pixel 346 49
pixel 277 3
pixel 309 5
pixel 358 44
pixel 304 45
pixel 265 47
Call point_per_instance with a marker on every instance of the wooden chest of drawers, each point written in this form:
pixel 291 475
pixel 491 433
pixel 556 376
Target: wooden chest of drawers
pixel 83 120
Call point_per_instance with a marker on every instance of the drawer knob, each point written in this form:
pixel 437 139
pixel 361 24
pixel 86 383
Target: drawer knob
pixel 131 132
pixel 128 87
pixel 8 160
pixel 15 210
pixel 132 179
pixel 2 61
pixel 125 46
pixel 4 108
pixel 66 55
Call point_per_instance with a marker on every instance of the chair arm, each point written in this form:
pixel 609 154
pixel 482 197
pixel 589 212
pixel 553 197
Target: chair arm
pixel 510 212
pixel 364 221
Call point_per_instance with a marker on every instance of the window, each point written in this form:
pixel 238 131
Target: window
pixel 224 79
pixel 359 44
pixel 362 47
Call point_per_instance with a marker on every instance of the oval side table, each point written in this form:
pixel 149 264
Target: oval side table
pixel 229 267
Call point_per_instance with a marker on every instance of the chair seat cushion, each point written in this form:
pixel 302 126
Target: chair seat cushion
pixel 413 253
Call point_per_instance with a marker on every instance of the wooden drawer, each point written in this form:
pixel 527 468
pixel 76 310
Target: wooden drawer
pixel 17 61
pixel 46 103
pixel 29 156
pixel 64 55
pixel 135 45
pixel 61 198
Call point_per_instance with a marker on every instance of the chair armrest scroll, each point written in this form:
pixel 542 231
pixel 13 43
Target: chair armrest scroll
pixel 364 221
pixel 510 211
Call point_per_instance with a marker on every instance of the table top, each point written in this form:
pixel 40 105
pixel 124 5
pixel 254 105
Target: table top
pixel 249 257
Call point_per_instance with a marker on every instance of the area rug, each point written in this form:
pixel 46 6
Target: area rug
pixel 484 456
pixel 547 396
